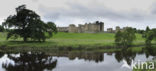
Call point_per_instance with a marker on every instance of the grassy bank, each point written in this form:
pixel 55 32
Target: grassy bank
pixel 70 39
pixel 67 41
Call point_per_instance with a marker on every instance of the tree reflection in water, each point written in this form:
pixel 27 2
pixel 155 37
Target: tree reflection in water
pixel 125 54
pixel 129 55
pixel 31 62
pixel 150 51
pixel 41 61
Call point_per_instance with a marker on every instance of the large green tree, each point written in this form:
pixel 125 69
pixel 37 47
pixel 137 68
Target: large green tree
pixel 28 25
pixel 125 38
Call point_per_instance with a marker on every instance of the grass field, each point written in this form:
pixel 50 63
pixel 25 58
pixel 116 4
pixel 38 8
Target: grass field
pixel 71 40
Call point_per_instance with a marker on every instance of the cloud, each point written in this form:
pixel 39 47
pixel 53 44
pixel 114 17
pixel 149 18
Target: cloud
pixel 82 11
pixel 135 13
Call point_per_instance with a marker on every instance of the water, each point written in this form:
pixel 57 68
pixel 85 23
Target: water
pixel 71 61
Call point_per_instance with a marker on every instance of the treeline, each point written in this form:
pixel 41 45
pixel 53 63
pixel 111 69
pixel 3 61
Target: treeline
pixel 126 37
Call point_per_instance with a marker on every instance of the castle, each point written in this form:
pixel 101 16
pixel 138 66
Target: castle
pixel 89 28
pixel 110 30
pixel 86 28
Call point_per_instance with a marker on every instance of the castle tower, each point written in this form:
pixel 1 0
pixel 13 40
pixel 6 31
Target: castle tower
pixel 101 24
pixel 73 28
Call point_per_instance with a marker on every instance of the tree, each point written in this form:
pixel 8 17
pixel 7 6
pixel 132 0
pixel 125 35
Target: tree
pixel 140 31
pixel 144 35
pixel 28 25
pixel 147 29
pixel 125 38
pixel 150 35
pixel 118 38
pixel 1 28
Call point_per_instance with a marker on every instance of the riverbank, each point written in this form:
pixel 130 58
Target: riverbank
pixel 48 50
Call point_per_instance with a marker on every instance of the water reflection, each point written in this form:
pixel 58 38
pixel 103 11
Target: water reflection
pixel 30 62
pixel 127 55
pixel 88 60
pixel 90 56
pixel 150 51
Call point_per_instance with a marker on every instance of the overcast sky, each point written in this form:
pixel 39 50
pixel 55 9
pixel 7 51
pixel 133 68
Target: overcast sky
pixel 134 13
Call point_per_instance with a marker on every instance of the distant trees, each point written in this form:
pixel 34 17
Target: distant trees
pixel 149 35
pixel 1 28
pixel 125 38
pixel 146 32
pixel 140 31
pixel 28 25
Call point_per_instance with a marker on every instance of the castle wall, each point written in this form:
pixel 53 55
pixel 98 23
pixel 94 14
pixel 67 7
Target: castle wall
pixel 73 28
pixel 89 28
pixel 62 29
pixel 86 28
pixel 110 30
pixel 102 27
pixel 92 28
pixel 81 28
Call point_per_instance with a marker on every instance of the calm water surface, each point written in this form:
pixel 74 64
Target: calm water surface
pixel 71 61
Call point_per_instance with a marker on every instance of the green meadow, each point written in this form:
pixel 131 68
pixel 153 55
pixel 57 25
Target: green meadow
pixel 68 41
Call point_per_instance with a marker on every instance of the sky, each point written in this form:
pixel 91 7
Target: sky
pixel 132 13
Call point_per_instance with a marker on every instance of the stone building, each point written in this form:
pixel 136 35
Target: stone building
pixel 93 27
pixel 81 28
pixel 89 28
pixel 117 28
pixel 62 29
pixel 86 28
pixel 110 30
pixel 72 28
